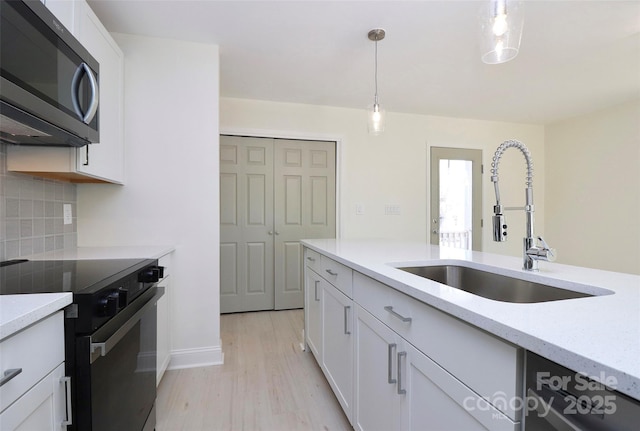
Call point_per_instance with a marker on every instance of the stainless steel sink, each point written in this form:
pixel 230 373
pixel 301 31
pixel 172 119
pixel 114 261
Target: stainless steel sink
pixel 493 286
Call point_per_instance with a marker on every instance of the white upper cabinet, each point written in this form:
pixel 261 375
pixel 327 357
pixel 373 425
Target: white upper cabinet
pixel 106 159
pixel 63 10
pixel 95 163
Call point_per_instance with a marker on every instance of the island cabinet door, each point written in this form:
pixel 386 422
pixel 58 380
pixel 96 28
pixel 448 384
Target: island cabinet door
pixel 338 345
pixel 435 400
pixel 378 404
pixel 313 312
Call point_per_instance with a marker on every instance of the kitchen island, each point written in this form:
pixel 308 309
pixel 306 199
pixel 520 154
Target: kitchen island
pixel 598 336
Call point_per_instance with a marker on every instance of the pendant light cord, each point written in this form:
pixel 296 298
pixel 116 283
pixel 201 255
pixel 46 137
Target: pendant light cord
pixel 376 73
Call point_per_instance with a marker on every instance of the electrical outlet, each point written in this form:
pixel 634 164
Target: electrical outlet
pixel 67 214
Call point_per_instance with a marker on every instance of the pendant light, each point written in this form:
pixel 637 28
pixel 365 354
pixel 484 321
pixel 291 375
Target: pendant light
pixel 501 24
pixel 375 113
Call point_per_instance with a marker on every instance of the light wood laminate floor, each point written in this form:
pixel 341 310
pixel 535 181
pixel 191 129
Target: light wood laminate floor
pixel 266 382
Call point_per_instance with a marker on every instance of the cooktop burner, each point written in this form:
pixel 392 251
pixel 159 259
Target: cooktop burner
pixel 53 276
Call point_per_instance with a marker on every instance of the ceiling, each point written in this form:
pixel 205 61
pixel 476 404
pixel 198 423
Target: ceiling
pixel 575 57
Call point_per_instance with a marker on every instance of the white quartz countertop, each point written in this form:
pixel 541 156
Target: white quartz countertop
pixel 19 311
pixel 124 252
pixel 598 336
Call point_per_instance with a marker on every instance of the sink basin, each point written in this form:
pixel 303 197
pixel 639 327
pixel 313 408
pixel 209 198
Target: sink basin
pixel 493 286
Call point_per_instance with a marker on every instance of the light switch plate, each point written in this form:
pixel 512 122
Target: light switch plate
pixel 392 209
pixel 359 209
pixel 67 214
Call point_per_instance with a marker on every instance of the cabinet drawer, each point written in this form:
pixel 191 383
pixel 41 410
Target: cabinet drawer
pixel 337 274
pixel 312 259
pixel 486 364
pixel 443 402
pixel 36 350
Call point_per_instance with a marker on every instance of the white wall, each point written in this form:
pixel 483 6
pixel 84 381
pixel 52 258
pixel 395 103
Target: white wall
pixel 393 168
pixel 171 192
pixel 593 189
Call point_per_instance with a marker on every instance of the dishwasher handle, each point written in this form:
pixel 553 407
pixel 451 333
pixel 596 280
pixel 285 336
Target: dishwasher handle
pixel 555 418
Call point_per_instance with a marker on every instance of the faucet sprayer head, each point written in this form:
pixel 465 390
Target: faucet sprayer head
pixel 499 227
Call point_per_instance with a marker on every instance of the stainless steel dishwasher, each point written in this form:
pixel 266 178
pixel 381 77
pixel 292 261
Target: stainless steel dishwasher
pixel 561 399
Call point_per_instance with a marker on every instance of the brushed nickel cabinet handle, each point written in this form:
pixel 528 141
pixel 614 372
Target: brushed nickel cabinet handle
pixel 316 287
pixel 86 156
pixel 331 272
pixel 310 259
pixel 346 315
pixel 9 374
pixel 67 389
pixel 401 390
pixel 389 308
pixel 390 349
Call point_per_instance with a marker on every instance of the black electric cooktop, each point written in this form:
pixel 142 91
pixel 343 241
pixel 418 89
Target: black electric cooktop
pixel 53 276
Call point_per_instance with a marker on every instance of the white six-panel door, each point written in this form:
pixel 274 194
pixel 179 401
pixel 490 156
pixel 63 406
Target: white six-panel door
pixel 304 194
pixel 246 220
pixel 273 193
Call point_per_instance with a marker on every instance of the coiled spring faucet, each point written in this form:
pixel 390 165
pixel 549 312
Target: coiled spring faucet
pixel 532 253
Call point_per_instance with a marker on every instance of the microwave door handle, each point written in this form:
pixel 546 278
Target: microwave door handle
pixel 95 95
pixel 75 93
pixel 559 421
pixel 75 90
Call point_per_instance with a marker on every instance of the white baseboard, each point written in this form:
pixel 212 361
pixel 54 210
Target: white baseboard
pixel 191 358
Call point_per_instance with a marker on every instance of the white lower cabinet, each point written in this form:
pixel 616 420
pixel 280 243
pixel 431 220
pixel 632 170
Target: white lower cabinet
pixel 400 388
pixel 378 405
pixel 329 325
pixel 395 363
pixel 42 408
pixel 436 400
pixel 164 318
pixel 337 344
pixel 313 312
pixel 35 398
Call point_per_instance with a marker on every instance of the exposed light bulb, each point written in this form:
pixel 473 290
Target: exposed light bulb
pixel 499 49
pixel 376 116
pixel 376 119
pixel 500 25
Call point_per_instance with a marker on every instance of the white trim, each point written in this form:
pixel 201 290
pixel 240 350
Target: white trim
pixel 191 358
pixel 263 133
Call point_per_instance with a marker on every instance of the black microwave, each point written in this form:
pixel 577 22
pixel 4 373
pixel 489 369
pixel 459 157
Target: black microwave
pixel 49 88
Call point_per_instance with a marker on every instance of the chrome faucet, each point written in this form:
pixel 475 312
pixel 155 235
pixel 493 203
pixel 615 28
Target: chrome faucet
pixel 532 253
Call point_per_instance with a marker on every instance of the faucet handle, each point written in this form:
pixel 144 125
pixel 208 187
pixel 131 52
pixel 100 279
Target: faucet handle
pixel 550 252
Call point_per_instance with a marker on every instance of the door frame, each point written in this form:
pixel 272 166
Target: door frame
pixel 273 134
pixel 434 181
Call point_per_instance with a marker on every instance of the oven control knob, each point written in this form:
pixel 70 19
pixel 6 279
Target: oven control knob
pixel 108 306
pixel 149 275
pixel 122 297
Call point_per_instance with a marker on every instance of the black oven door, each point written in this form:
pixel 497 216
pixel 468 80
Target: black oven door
pixel 115 377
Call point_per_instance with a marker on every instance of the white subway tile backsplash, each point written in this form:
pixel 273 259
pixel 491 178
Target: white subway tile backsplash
pixel 31 213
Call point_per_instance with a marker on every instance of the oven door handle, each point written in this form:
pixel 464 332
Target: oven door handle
pixel 559 421
pixel 102 348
